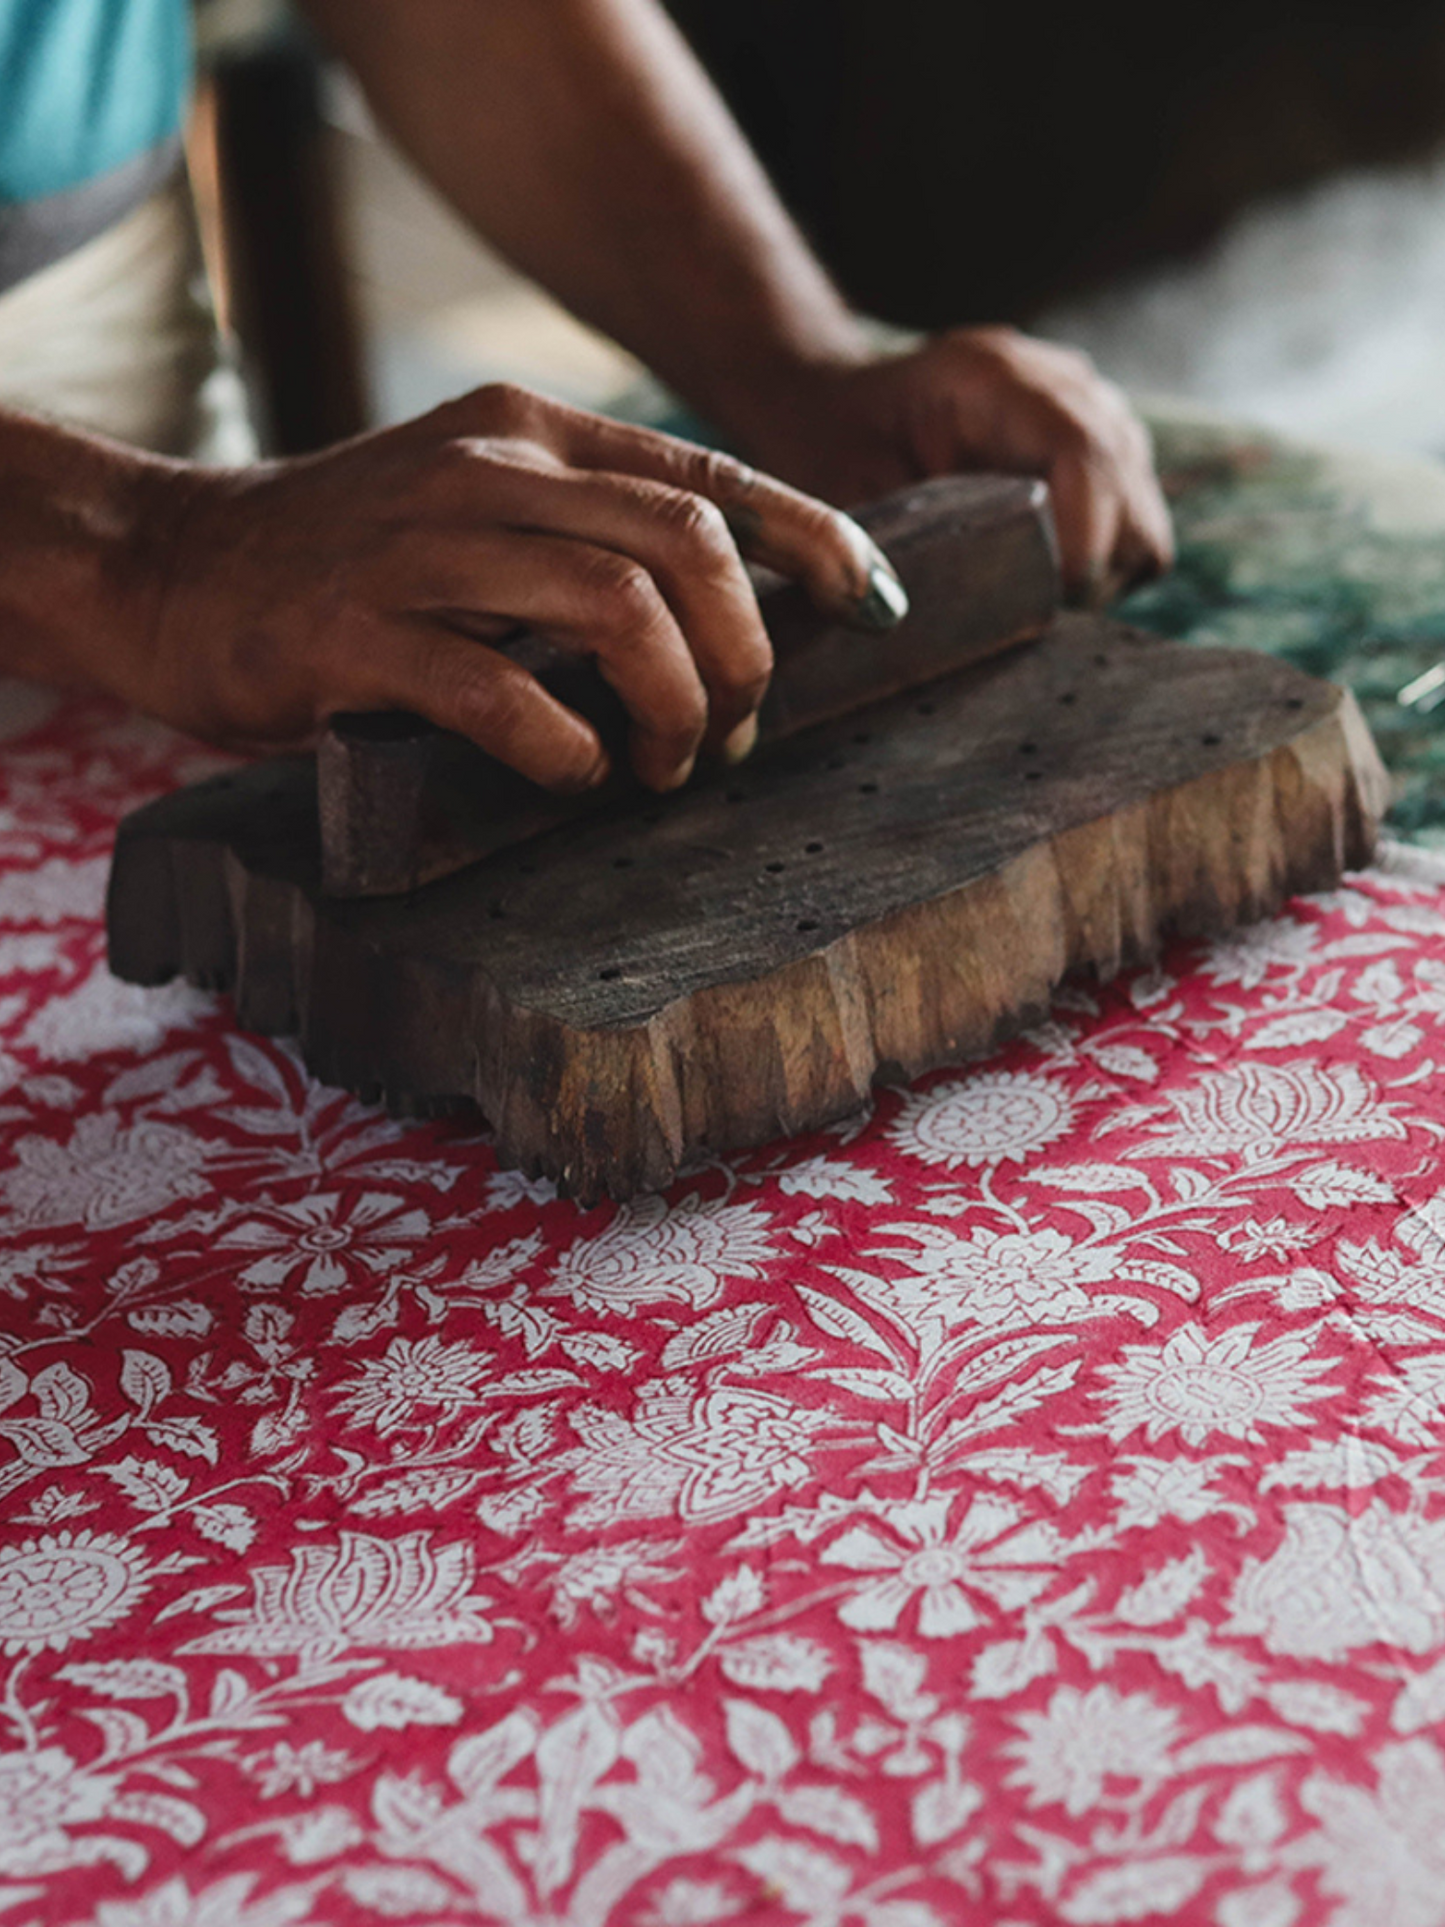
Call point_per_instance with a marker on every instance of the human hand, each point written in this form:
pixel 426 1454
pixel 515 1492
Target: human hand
pixel 371 576
pixel 982 398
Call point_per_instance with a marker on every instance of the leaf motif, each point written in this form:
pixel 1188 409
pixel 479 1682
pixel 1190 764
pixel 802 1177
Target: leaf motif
pixel 1005 1668
pixel 1239 1746
pixel 145 1379
pixel 1331 1183
pixel 1298 1027
pixel 1090 1177
pixel 716 1336
pixel 229 1525
pixel 1162 1275
pixel 150 1078
pixel 1022 1466
pixel 61 1394
pixel 529 1384
pixel 182 1318
pixel 1162 1595
pixel 841 1321
pixel 1125 1060
pixel 43 1441
pixel 123 1731
pixel 759 1740
pixel 258 1068
pixel 894 1674
pixel 1009 1405
pixel 941 1809
pixel 127 1679
pixel 476 1764
pixel 829 1811
pixel 147 1483
pixel 185 1435
pixel 229 1692
pixel 13 1383
pixel 178 1818
pixel 1421 1702
pixel 867 1382
pixel 776 1663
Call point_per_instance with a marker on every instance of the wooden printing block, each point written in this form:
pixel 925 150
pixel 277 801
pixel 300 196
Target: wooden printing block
pixel 743 960
pixel 403 803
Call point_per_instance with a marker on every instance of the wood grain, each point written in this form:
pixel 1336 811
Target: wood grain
pixel 403 803
pixel 884 894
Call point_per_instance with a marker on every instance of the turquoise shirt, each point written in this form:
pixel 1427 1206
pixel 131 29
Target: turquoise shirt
pixel 93 96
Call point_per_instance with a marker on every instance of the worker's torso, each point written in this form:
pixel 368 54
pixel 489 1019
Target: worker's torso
pixel 92 100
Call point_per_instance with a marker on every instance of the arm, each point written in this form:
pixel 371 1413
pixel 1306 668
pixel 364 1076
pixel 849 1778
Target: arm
pixel 583 139
pixel 247 605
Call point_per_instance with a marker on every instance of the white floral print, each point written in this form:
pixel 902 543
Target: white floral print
pixel 1198 1385
pixel 389 1391
pixel 323 1241
pixel 361 1591
pixel 65 1586
pixel 943 1570
pixel 650 1253
pixel 989 1118
pixel 1027 1500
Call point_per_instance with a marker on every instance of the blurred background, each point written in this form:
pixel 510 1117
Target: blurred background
pixel 1245 208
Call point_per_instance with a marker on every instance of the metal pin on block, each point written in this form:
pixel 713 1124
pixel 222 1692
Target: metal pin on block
pixel 1425 692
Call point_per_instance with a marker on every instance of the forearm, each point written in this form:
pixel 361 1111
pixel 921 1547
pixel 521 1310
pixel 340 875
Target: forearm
pixel 75 528
pixel 581 137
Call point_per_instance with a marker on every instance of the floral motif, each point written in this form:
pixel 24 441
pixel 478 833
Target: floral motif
pixel 1381 1855
pixel 995 1277
pixel 1252 1110
pixel 324 1242
pixel 1029 1498
pixel 704 1458
pixel 65 1587
pixel 1084 1739
pixel 1339 1579
pixel 992 1117
pixel 360 1591
pixel 106 1175
pixel 938 1568
pixel 394 1700
pixel 388 1390
pixel 652 1252
pixel 1197 1385
pixel 42 1794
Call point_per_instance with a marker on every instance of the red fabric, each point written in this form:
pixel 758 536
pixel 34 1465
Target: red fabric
pixel 1021 1507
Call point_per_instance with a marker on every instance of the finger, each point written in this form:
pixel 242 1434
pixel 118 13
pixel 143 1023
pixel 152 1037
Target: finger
pixel 1086 518
pixel 466 687
pixel 836 561
pixel 682 541
pixel 591 600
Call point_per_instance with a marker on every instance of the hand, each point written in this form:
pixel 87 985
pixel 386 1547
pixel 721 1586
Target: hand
pixel 368 577
pixel 981 398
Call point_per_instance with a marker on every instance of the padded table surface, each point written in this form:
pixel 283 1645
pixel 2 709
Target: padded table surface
pixel 1021 1506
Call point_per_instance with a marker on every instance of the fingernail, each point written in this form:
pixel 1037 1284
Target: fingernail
pixel 680 775
pixel 599 773
pixel 742 741
pixel 886 602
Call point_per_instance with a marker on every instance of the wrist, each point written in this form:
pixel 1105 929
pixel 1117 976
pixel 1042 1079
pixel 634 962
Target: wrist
pixel 826 423
pixel 83 520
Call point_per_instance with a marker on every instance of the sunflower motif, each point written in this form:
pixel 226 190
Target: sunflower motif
pixel 66 1586
pixel 1195 1385
pixel 995 1117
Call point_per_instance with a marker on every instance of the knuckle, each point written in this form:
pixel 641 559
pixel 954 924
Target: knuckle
pixel 708 472
pixel 695 522
pixel 620 592
pixel 507 405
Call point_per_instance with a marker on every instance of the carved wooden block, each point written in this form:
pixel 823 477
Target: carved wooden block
pixel 403 803
pixel 883 894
